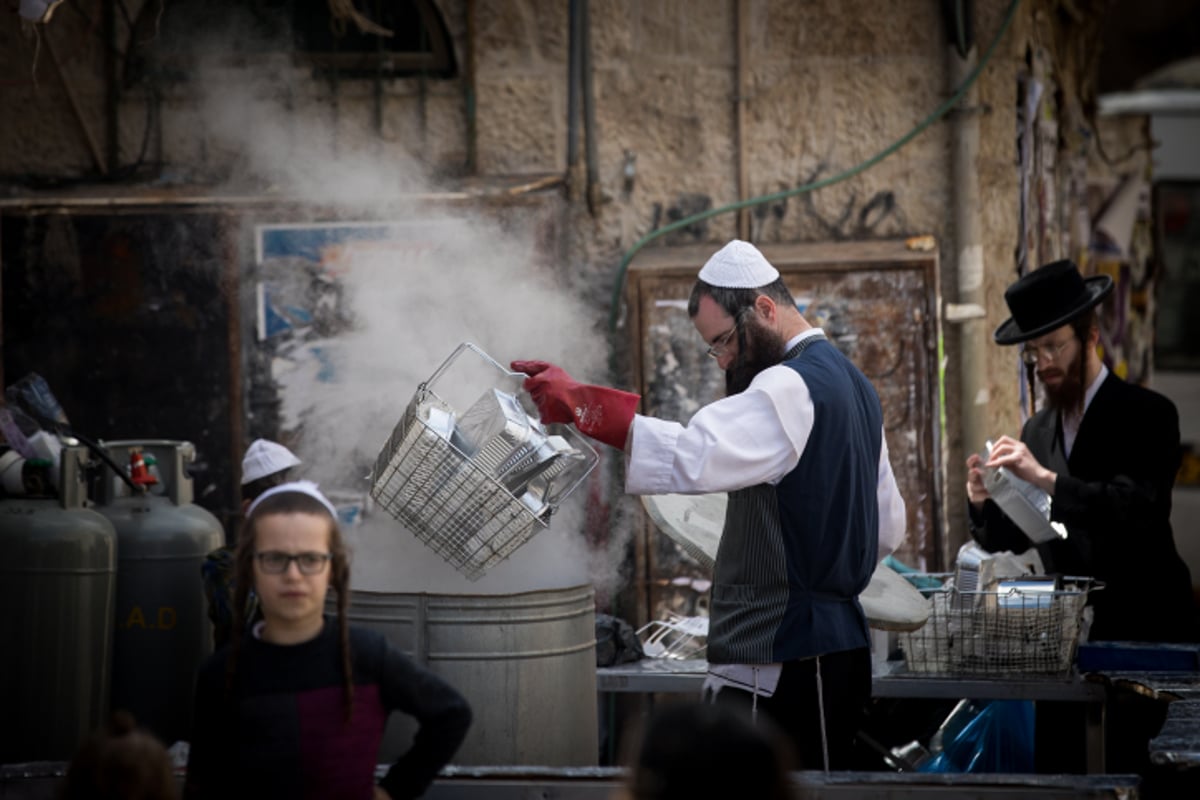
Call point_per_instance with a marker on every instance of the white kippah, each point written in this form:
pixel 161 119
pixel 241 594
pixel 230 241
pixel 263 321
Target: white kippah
pixel 738 265
pixel 265 458
pixel 300 487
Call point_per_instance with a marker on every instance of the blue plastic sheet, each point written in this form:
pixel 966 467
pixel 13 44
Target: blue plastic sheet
pixel 914 576
pixel 998 738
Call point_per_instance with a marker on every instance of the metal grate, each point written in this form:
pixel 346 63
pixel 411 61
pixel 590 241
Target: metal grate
pixel 455 503
pixel 999 632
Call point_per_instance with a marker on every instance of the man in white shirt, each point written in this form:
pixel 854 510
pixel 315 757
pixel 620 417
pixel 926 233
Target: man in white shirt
pixel 813 505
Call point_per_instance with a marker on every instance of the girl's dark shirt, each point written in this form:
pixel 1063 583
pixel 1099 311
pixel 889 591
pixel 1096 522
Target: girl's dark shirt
pixel 281 731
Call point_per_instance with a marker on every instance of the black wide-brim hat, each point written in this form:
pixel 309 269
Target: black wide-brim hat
pixel 1048 298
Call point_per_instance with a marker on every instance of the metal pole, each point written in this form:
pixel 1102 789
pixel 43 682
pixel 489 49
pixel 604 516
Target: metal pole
pixel 743 49
pixel 969 312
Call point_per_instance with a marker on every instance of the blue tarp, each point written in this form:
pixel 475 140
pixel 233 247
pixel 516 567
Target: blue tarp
pixel 999 738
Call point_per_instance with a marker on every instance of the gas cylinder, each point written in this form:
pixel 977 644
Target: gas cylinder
pixel 162 628
pixel 58 563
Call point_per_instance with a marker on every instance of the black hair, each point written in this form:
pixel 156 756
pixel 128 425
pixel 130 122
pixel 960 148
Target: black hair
pixel 254 488
pixel 734 301
pixel 120 762
pixel 693 749
pixel 1082 325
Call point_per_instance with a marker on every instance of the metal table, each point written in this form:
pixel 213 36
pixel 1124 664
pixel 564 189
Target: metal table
pixel 1178 742
pixel 893 680
pixel 604 783
pixel 43 781
pixel 653 675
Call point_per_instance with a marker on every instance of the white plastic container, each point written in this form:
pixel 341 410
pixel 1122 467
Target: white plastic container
pixel 1022 502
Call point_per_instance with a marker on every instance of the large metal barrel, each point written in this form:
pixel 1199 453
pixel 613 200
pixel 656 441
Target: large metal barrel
pixel 162 628
pixel 526 663
pixel 58 564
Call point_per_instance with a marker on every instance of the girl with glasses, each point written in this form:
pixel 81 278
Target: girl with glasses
pixel 296 706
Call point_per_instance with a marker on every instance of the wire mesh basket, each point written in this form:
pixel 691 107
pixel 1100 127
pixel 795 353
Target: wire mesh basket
pixel 675 637
pixel 1021 627
pixel 475 485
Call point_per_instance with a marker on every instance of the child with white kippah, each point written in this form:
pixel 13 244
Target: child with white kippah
pixel 296 705
pixel 266 464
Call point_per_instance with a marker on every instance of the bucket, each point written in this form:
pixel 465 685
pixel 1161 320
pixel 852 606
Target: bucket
pixel 525 662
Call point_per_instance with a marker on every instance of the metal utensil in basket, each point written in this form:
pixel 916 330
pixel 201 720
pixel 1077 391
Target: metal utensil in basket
pixel 476 480
pixel 1017 628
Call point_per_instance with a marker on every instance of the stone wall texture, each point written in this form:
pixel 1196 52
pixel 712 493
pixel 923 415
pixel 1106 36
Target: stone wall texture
pixel 828 84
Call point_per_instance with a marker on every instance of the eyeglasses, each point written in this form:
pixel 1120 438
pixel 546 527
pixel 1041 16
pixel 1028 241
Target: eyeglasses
pixel 721 344
pixel 273 562
pixel 1031 354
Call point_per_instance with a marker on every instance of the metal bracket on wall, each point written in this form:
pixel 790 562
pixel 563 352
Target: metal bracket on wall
pixel 962 312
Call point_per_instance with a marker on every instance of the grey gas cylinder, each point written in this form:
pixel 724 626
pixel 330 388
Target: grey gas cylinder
pixel 58 563
pixel 162 633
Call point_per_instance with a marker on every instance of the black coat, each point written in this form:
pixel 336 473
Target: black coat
pixel 1114 496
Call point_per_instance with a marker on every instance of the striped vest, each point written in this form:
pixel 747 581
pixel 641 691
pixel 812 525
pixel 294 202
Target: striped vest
pixel 794 557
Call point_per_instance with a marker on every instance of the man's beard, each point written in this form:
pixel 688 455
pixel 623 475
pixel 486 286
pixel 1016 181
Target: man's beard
pixel 759 347
pixel 1067 397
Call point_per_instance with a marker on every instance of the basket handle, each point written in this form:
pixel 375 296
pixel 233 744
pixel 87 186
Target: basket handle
pixel 477 351
pixel 558 492
pixel 1089 583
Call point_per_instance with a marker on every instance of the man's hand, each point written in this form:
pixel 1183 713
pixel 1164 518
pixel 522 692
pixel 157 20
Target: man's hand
pixel 1014 456
pixel 381 793
pixel 597 411
pixel 551 389
pixel 977 493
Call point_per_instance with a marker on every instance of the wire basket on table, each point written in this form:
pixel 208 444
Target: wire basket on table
pixel 1011 630
pixel 676 637
pixel 474 499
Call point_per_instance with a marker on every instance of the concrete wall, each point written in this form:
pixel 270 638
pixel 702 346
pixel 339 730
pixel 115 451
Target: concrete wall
pixel 829 84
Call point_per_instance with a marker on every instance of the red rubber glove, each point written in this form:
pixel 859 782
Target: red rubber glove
pixel 597 411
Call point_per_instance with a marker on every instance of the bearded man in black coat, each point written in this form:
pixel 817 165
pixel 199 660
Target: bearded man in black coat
pixel 1106 451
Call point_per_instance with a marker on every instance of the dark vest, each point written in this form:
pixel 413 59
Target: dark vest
pixel 793 558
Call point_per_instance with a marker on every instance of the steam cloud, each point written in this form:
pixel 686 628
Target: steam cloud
pixel 442 280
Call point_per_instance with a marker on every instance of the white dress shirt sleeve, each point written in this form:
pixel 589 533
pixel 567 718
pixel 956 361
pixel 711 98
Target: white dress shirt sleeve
pixel 893 518
pixel 756 436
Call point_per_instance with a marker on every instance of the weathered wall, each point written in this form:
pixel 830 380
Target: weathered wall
pixel 42 137
pixel 829 85
pixel 218 105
